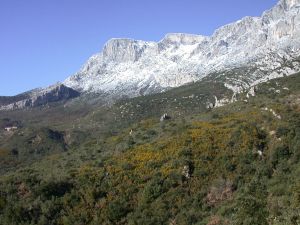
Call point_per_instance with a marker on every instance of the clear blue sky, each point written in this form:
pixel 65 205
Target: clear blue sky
pixel 45 41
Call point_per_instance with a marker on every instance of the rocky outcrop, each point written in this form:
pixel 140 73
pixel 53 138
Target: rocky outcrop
pixel 165 117
pixel 40 97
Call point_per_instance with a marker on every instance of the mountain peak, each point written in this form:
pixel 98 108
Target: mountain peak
pixel 182 38
pixel 123 49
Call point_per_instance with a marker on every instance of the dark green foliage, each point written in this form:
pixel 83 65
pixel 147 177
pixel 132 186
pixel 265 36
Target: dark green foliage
pixel 152 190
pixel 251 204
pixel 282 131
pixel 280 153
pixel 117 210
pixel 53 189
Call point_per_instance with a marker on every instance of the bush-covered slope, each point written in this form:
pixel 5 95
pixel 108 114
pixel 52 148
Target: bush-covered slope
pixel 237 164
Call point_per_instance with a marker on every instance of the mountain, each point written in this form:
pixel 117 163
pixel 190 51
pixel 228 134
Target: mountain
pixel 240 55
pixel 260 47
pixel 38 97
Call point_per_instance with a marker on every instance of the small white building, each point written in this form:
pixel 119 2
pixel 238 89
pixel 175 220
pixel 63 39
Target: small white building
pixel 8 129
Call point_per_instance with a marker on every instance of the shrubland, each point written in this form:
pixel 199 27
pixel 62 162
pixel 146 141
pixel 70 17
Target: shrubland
pixel 236 164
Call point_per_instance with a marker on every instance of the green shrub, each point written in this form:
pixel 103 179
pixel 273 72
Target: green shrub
pixel 282 131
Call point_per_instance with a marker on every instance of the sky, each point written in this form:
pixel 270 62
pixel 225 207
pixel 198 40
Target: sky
pixel 45 41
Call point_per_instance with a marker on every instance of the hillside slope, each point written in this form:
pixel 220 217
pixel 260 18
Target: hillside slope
pixel 236 164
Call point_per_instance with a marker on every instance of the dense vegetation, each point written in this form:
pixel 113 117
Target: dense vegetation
pixel 237 164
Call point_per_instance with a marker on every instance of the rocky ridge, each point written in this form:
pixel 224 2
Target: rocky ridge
pixel 38 97
pixel 266 47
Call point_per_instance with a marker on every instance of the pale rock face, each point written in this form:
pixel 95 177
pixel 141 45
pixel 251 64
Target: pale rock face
pixel 39 97
pixel 288 4
pixel 262 45
pixel 221 102
pixel 123 50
